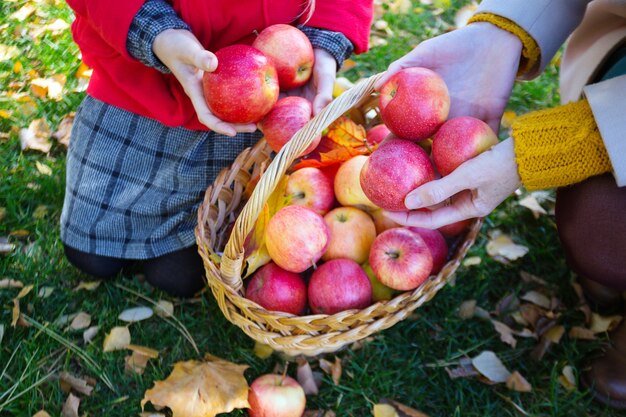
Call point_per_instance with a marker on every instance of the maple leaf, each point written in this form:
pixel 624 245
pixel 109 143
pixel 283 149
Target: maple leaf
pixel 201 388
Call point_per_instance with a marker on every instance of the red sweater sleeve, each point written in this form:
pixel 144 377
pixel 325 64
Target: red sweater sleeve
pixel 353 18
pixel 110 18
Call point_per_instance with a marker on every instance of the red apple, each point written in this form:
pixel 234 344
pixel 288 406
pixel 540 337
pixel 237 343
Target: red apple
pixel 284 120
pixel 309 187
pixel 273 395
pixel 455 229
pixel 296 237
pixel 414 103
pixel 275 289
pixel 243 88
pixel 348 184
pixel 400 259
pixel 377 134
pixel 338 285
pixel 460 139
pixel 382 222
pixel 352 232
pixel 291 52
pixel 394 169
pixel 437 245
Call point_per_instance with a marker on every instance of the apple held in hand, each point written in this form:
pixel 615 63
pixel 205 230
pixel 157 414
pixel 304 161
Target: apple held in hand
pixel 460 139
pixel 400 259
pixel 243 88
pixel 276 396
pixel 348 184
pixel 296 237
pixel 414 103
pixel 394 169
pixel 284 120
pixel 310 187
pixel 291 52
pixel 352 232
pixel 339 285
pixel 275 289
pixel 437 245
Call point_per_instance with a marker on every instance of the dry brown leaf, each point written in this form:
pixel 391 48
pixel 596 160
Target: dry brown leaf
pixel 70 408
pixel 70 382
pixel 531 313
pixel 305 377
pixel 507 305
pixel 201 389
pixel 567 378
pixel 578 332
pixel 384 410
pixel 403 410
pixel 90 333
pixel 528 278
pixel 490 366
pixel 56 27
pixel 24 291
pixel 467 309
pixel 8 52
pixel 333 369
pixel 506 333
pixel 146 351
pixel 15 312
pixel 117 339
pixel 464 370
pixel 537 298
pixel 472 261
pixel 516 382
pixel 45 292
pixel 64 130
pixel 131 315
pixel 87 285
pixel 36 136
pixel 531 203
pixel 481 313
pixel 503 245
pixel 10 283
pixel 41 413
pixel 554 334
pixel 164 308
pixel 23 12
pixel 43 169
pixel 136 363
pixel 81 321
pixel 601 324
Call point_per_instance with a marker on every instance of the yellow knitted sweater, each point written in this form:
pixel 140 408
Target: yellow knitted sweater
pixel 553 147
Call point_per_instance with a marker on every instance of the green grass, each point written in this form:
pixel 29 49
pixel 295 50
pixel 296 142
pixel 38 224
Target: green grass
pixel 400 363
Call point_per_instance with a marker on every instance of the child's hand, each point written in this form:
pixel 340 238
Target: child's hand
pixel 319 89
pixel 183 54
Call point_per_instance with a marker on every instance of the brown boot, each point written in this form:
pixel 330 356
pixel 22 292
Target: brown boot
pixel 605 376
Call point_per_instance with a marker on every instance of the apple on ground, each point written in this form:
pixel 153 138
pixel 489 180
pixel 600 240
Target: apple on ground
pixel 274 395
pixel 400 259
pixel 380 292
pixel 291 52
pixel 394 169
pixel 377 134
pixel 348 184
pixel 414 103
pixel 287 116
pixel 456 228
pixel 310 187
pixel 437 245
pixel 275 289
pixel 339 285
pixel 460 139
pixel 381 221
pixel 352 232
pixel 244 86
pixel 296 238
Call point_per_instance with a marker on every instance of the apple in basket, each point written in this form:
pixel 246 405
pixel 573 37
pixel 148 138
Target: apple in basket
pixel 339 285
pixel 437 245
pixel 287 116
pixel 380 292
pixel 394 169
pixel 377 134
pixel 400 259
pixel 311 188
pixel 296 238
pixel 381 221
pixel 352 232
pixel 275 289
pixel 456 228
pixel 244 86
pixel 274 395
pixel 414 103
pixel 291 52
pixel 348 184
pixel 460 139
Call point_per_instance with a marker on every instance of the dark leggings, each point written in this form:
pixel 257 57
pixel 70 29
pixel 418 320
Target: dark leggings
pixel 180 273
pixel 591 220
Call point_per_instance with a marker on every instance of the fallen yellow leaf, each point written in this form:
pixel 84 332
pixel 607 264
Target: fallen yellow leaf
pixel 384 410
pixel 36 136
pixel 117 339
pixel 516 382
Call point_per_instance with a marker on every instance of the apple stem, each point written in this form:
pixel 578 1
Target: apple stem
pixel 256 32
pixel 314 265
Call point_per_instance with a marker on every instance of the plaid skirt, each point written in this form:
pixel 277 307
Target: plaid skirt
pixel 134 185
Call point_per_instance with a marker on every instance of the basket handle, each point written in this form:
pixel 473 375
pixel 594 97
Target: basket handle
pixel 232 261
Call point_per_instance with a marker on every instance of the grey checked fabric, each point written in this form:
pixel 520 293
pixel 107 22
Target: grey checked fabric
pixel 155 16
pixel 134 185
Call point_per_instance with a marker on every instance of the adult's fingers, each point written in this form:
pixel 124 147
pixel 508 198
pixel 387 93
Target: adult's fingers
pixel 461 209
pixel 438 191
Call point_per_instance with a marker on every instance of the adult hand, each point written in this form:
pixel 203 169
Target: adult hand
pixel 479 64
pixel 319 89
pixel 183 54
pixel 475 188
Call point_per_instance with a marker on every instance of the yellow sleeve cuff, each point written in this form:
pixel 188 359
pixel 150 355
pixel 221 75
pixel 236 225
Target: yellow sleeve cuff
pixel 531 54
pixel 559 146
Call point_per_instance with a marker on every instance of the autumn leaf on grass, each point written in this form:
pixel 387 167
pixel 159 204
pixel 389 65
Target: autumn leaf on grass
pixel 201 388
pixel 394 408
pixel 36 136
pixel 344 140
pixel 255 250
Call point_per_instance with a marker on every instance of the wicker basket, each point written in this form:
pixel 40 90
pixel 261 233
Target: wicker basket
pixel 295 335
